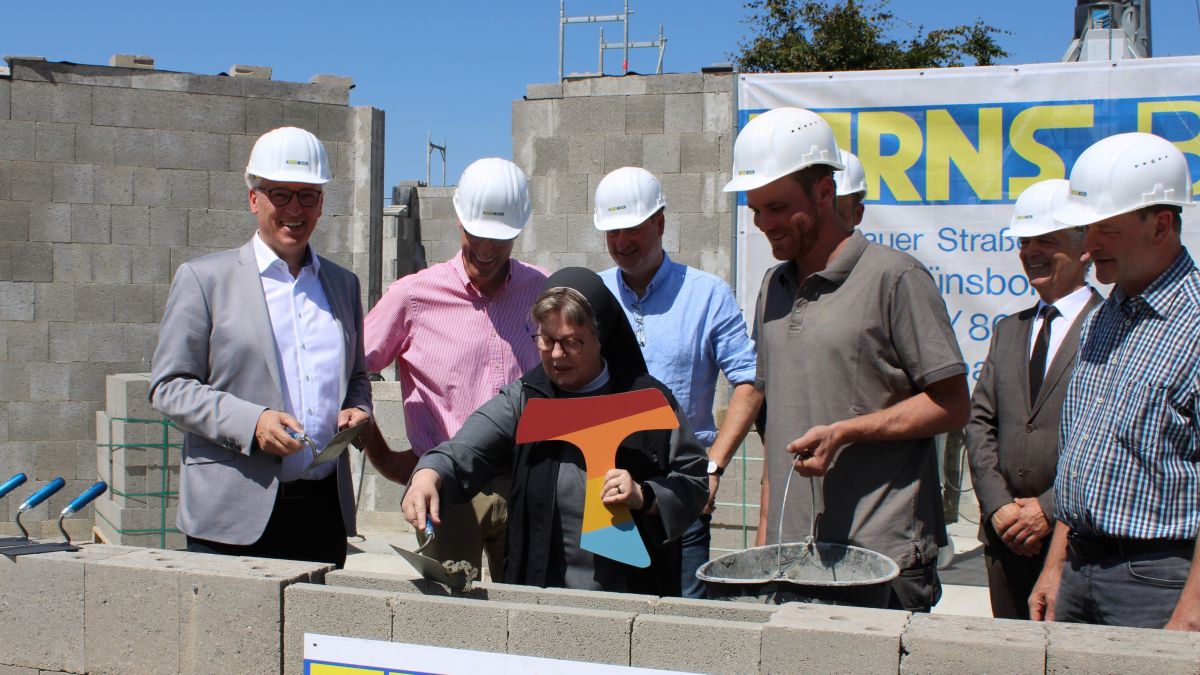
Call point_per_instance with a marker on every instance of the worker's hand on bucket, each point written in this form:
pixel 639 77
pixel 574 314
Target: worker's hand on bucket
pixel 421 499
pixel 816 449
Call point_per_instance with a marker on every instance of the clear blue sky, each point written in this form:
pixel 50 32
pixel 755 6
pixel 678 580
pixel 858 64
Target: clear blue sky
pixel 453 67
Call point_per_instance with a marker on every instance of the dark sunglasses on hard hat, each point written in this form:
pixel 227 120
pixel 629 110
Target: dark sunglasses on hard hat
pixel 281 196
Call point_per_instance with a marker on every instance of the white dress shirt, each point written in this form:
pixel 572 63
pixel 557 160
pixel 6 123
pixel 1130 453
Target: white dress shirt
pixel 1068 308
pixel 311 352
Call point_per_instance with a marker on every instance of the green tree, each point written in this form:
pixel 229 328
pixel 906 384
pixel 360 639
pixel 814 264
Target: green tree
pixel 818 35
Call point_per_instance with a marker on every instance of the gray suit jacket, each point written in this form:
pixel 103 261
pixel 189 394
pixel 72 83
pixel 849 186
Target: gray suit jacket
pixel 1013 444
pixel 216 370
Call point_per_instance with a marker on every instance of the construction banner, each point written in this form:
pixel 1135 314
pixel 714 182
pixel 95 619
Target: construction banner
pixel 947 151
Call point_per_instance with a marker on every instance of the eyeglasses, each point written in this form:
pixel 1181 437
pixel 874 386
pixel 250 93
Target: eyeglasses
pixel 281 196
pixel 570 345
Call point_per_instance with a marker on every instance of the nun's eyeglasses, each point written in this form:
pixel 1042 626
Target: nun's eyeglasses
pixel 570 345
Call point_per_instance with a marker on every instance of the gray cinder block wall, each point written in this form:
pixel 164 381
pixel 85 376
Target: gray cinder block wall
pixel 109 179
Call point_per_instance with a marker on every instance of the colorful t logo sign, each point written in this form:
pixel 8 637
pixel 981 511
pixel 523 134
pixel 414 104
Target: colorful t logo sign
pixel 597 425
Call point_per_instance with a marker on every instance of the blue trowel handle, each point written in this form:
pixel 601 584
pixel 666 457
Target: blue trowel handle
pixel 12 484
pixel 85 498
pixel 41 495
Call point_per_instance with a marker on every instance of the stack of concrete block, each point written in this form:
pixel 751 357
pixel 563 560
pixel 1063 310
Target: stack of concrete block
pixel 378 497
pixel 137 454
pixel 439 224
pixel 680 127
pixel 110 177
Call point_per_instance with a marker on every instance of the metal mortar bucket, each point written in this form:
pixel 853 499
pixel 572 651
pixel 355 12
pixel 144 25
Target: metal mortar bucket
pixel 820 573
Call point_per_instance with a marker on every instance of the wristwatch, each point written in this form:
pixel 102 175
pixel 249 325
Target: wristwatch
pixel 714 470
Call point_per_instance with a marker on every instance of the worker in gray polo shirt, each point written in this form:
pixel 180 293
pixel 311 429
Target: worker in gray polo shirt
pixel 857 360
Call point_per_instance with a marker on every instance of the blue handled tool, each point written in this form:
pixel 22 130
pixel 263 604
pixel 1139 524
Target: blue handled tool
pixel 37 498
pixel 12 483
pixel 78 503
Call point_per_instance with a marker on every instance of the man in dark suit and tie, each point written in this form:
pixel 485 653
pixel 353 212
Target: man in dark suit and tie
pixel 258 345
pixel 1012 437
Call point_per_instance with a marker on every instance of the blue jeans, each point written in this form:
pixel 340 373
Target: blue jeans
pixel 695 541
pixel 1138 590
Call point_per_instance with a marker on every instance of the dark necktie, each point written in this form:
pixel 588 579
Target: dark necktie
pixel 1041 346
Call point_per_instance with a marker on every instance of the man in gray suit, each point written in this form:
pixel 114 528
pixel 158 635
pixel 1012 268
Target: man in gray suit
pixel 1012 437
pixel 259 345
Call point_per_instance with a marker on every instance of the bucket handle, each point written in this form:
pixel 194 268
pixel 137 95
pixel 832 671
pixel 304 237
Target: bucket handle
pixel 810 540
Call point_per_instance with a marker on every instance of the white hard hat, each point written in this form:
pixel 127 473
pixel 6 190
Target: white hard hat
pixel 289 155
pixel 1123 173
pixel 1033 212
pixel 492 199
pixel 780 142
pixel 626 198
pixel 852 179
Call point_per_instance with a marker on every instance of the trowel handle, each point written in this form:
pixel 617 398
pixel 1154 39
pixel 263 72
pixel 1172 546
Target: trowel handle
pixel 43 494
pixel 12 484
pixel 428 527
pixel 85 498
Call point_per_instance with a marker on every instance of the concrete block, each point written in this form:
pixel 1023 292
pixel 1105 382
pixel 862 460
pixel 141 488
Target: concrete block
pixel 17 139
pixel 95 145
pixel 50 222
pixel 301 114
pixel 827 638
pixel 191 150
pixel 339 81
pixel 168 226
pixel 112 107
pixel 263 115
pixel 151 265
pixel 539 91
pixel 675 83
pixel 91 223
pixel 591 115
pixel 150 187
pixel 32 181
pixel 133 147
pixel 16 301
pixel 312 93
pixel 14 221
pixel 27 340
pixel 551 155
pixel 74 183
pixel 683 192
pixel 215 84
pixel 160 80
pixel 135 303
pixel 684 113
pixel 219 228
pixel 577 86
pixel 186 188
pixel 717 610
pixel 718 112
pixel 346 612
pixel 239 152
pixel 55 303
pixel 42 607
pixel 227 191
pixel 113 184
pixel 67 343
pixel 456 623
pixel 6 176
pixel 72 262
pixel 585 154
pixel 660 153
pixel 5 99
pixel 622 151
pixel 130 224
pixel 1080 648
pixel 132 619
pixel 678 643
pixel 699 153
pixel 957 644
pixel 335 123
pixel 598 600
pixel 590 635
pixel 644 114
pixel 568 194
pixel 131 61
pixel 256 72
pixel 218 114
pixel 31 261
pixel 54 142
pixel 633 86
pixel 719 82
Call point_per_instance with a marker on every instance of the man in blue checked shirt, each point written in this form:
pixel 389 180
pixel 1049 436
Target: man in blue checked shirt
pixel 689 327
pixel 1127 493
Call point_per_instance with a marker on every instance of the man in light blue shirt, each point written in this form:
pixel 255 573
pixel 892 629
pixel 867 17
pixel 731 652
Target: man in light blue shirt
pixel 689 328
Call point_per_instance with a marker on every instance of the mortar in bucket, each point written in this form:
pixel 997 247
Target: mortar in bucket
pixel 807 571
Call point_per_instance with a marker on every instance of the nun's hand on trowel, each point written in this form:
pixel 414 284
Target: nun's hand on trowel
pixel 816 449
pixel 421 499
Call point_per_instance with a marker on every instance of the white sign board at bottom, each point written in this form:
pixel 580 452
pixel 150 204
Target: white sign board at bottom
pixel 332 655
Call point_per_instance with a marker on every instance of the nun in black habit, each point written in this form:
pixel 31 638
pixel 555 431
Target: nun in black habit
pixel 587 349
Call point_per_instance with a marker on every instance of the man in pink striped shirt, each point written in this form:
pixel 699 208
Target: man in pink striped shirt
pixel 459 331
